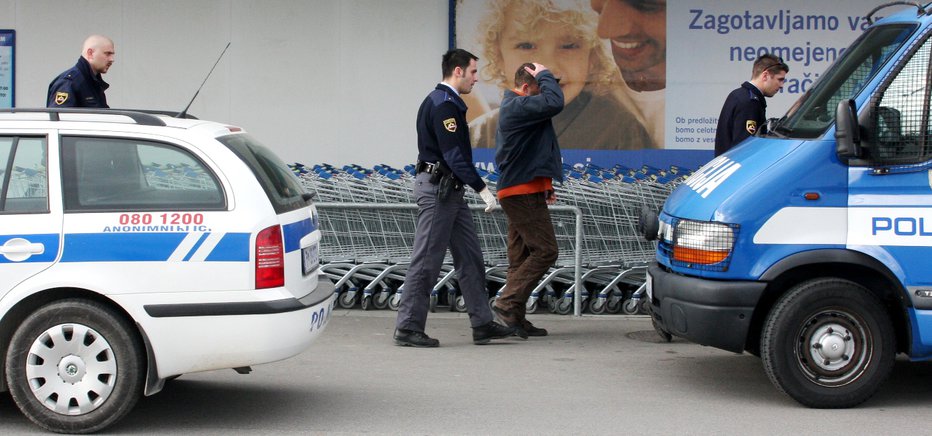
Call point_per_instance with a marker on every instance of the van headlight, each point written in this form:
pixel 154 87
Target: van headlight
pixel 704 245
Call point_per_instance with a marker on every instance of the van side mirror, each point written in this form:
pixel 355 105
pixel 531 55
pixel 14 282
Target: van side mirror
pixel 847 130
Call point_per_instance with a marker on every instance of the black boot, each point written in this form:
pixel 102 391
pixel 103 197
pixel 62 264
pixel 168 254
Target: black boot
pixel 483 334
pixel 411 338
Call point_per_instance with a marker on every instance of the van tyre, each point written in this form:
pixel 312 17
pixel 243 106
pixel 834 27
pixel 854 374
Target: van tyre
pixel 75 366
pixel 828 343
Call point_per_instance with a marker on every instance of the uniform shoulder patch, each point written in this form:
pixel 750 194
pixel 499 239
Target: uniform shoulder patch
pixel 61 97
pixel 751 126
pixel 450 124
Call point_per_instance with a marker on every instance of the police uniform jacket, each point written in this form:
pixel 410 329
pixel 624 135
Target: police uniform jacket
pixel 526 143
pixel 743 115
pixel 443 135
pixel 78 87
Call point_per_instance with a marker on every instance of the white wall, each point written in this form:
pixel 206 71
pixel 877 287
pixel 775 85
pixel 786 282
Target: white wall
pixel 335 81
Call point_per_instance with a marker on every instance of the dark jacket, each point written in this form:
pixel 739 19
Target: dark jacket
pixel 743 114
pixel 526 143
pixel 78 87
pixel 443 135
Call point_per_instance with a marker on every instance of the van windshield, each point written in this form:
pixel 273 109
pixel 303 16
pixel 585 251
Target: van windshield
pixel 280 184
pixel 814 112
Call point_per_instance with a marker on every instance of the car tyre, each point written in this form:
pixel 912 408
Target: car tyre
pixel 75 366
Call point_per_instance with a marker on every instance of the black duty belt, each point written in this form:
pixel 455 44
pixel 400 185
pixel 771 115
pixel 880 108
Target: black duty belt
pixel 426 167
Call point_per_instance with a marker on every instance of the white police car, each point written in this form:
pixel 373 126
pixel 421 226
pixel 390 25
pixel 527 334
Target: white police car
pixel 137 247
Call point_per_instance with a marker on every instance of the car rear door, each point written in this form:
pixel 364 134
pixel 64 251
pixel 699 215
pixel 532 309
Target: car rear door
pixel 30 221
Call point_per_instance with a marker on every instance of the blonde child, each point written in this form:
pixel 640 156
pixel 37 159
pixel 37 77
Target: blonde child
pixel 561 35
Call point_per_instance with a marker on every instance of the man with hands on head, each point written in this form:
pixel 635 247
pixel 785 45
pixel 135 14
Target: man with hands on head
pixel 444 220
pixel 528 158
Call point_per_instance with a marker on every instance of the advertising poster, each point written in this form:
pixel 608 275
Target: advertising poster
pixel 7 45
pixel 645 80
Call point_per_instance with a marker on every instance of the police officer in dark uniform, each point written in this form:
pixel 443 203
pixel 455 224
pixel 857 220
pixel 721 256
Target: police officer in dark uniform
pixel 745 110
pixel 444 220
pixel 82 85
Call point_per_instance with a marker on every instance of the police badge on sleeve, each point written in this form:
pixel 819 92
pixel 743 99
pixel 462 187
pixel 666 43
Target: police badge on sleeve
pixel 751 126
pixel 450 124
pixel 61 97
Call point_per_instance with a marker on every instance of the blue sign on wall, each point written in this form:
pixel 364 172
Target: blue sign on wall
pixel 7 70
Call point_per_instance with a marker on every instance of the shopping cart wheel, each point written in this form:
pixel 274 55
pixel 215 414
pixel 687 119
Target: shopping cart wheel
pixel 614 303
pixel 631 306
pixel 492 301
pixel 433 302
pixel 382 299
pixel 365 302
pixel 532 306
pixel 564 306
pixel 552 304
pixel 598 305
pixel 460 304
pixel 347 299
pixel 644 307
pixel 395 301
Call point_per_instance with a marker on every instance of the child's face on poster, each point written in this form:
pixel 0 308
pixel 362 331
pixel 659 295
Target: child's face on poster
pixel 558 46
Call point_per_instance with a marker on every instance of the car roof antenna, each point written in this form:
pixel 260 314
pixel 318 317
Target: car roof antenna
pixel 184 113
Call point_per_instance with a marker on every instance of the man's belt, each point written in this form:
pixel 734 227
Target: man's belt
pixel 426 167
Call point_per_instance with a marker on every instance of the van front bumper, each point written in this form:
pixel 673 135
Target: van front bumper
pixel 707 312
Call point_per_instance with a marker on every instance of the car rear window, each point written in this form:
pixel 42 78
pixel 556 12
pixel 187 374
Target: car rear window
pixel 133 174
pixel 280 184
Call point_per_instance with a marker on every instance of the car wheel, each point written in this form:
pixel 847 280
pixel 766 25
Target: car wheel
pixel 828 343
pixel 75 366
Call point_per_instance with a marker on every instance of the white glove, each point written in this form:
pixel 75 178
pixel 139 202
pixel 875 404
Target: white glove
pixel 489 198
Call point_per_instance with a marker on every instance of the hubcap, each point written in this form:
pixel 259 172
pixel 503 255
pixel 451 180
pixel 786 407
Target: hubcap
pixel 834 348
pixel 71 369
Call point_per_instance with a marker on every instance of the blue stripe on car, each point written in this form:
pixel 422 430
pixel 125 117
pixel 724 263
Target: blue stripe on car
pixel 292 233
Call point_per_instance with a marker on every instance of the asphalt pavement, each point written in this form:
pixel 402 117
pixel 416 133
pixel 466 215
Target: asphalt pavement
pixel 605 374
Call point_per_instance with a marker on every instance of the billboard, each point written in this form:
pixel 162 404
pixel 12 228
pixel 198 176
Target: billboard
pixel 644 80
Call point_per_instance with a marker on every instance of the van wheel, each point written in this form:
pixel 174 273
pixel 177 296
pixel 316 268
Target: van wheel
pixel 828 343
pixel 74 366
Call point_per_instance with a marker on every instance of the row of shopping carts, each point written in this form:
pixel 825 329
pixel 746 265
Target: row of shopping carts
pixel 368 217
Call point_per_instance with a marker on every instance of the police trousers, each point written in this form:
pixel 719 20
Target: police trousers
pixel 442 225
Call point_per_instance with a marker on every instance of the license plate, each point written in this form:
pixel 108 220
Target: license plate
pixel 310 259
pixel 650 288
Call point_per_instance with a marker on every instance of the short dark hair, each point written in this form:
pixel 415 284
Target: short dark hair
pixel 769 62
pixel 522 76
pixel 456 57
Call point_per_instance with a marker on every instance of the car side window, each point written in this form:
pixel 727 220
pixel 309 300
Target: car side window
pixel 131 174
pixel 24 186
pixel 901 117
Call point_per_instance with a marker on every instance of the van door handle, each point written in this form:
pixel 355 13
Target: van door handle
pixel 19 249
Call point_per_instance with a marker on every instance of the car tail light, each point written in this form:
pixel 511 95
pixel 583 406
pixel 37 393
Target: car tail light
pixel 270 258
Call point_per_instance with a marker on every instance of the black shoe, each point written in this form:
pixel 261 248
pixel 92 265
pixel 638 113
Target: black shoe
pixel 483 334
pixel 510 320
pixel 411 338
pixel 530 330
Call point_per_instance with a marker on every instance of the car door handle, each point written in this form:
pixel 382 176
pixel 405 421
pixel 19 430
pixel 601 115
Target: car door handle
pixel 30 248
pixel 19 249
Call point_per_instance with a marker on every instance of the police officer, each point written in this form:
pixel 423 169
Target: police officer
pixel 444 220
pixel 745 110
pixel 82 85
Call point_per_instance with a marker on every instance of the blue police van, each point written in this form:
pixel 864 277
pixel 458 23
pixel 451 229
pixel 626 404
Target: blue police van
pixel 811 246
